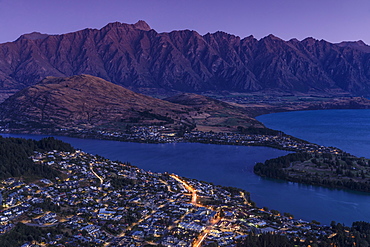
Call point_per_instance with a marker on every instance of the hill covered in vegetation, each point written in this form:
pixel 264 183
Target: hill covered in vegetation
pixel 340 170
pixel 15 158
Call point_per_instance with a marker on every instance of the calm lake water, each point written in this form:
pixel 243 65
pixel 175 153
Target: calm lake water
pixel 233 166
pixel 348 130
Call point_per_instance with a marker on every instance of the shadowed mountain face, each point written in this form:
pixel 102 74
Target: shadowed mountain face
pixel 137 57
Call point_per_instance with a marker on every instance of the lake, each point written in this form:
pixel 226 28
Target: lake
pixel 233 166
pixel 348 130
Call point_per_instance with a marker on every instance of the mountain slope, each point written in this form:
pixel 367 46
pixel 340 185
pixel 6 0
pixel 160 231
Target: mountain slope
pixel 211 114
pixel 139 58
pixel 87 102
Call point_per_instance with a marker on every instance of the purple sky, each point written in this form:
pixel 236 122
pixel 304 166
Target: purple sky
pixel 332 20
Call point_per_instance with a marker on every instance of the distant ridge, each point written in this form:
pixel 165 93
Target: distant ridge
pixel 139 58
pixel 358 45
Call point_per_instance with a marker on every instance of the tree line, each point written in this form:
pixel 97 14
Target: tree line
pixel 15 156
pixel 357 235
pixel 346 171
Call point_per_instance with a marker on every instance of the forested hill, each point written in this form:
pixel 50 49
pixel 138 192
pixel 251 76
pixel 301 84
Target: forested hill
pixel 15 153
pixel 342 171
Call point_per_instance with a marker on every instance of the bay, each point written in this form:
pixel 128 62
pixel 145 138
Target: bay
pixel 348 130
pixel 233 166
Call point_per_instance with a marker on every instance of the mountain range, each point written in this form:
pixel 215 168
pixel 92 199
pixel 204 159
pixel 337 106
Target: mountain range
pixel 141 59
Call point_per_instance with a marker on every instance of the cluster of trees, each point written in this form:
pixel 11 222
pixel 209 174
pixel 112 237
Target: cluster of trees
pixel 331 183
pixel 258 131
pixel 273 168
pixel 341 167
pixel 15 153
pixel 266 239
pixel 22 233
pixel 342 164
pixel 149 115
pixel 48 205
pixel 357 235
pixel 50 143
pixel 121 182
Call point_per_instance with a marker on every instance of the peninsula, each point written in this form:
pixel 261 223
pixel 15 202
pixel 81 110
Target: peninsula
pixel 89 107
pixel 94 201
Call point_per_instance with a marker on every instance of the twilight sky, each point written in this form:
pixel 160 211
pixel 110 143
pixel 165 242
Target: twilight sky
pixel 332 20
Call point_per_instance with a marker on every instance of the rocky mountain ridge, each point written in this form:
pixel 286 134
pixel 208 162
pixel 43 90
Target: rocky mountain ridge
pixel 139 58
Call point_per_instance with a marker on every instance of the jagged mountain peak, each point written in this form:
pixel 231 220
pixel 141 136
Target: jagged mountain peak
pixel 185 61
pixel 34 36
pixel 358 45
pixel 140 25
pixel 295 40
pixel 310 40
pixel 272 37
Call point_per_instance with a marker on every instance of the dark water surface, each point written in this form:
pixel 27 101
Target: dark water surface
pixel 348 130
pixel 233 166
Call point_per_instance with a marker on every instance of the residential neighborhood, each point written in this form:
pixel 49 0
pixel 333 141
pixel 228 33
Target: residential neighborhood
pixel 162 134
pixel 104 203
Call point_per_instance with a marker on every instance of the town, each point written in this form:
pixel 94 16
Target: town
pixel 163 134
pixel 99 202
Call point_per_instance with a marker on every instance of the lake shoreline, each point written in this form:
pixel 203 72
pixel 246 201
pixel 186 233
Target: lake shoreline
pixel 232 165
pixel 272 139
